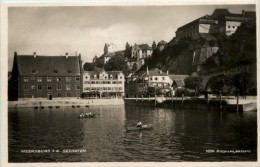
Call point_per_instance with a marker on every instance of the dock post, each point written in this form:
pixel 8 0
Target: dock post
pixel 135 98
pixel 182 96
pixel 142 99
pixel 220 104
pixel 237 101
pixel 207 98
pixel 155 100
pixel 172 99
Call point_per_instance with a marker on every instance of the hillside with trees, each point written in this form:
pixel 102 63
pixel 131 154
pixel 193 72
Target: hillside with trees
pixel 232 68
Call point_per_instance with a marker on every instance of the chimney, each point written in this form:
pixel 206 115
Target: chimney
pixel 160 71
pixel 34 54
pixel 167 72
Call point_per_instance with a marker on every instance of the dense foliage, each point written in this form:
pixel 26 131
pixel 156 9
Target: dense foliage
pixel 116 63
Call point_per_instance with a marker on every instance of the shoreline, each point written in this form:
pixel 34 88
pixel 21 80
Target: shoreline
pixel 64 103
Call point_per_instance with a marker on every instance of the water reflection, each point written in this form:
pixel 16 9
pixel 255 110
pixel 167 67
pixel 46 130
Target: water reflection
pixel 177 135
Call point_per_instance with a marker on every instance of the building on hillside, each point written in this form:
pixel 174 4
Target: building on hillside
pixel 110 48
pixel 221 22
pixel 109 51
pixel 161 45
pixel 138 54
pixel 147 82
pixel 193 29
pixel 103 84
pixel 46 77
pixel 229 22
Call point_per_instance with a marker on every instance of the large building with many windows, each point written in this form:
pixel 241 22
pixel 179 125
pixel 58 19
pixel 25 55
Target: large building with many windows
pixel 45 77
pixel 102 83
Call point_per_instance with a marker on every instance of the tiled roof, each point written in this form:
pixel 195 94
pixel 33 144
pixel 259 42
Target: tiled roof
pixel 179 83
pixel 145 47
pixel 154 72
pixel 48 65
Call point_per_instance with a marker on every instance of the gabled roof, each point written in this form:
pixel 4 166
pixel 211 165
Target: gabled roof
pixel 154 72
pixel 145 47
pixel 28 65
pixel 179 83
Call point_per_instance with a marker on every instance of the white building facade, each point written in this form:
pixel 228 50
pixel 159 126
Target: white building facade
pixel 103 83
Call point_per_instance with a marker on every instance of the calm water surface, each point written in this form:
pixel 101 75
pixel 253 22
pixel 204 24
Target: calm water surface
pixel 178 135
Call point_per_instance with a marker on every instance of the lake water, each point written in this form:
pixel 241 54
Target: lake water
pixel 177 135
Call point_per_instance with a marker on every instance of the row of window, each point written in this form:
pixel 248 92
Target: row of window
pixel 40 94
pixel 103 77
pixel 156 78
pixel 49 79
pixel 232 26
pixel 103 88
pixel 50 87
pixel 155 84
pixel 102 82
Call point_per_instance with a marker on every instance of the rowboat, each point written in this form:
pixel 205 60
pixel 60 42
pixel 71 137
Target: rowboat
pixel 134 128
pixel 87 116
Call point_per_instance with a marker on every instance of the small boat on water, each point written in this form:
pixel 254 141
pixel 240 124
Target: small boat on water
pixel 87 116
pixel 135 128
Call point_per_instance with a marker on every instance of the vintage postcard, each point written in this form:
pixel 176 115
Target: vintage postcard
pixel 129 84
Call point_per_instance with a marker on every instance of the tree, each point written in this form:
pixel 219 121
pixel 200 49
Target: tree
pixel 193 82
pixel 127 46
pixel 100 63
pixel 154 45
pixel 134 68
pixel 89 66
pixel 127 50
pixel 116 63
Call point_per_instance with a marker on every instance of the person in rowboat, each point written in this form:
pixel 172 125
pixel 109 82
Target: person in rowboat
pixel 139 124
pixel 88 114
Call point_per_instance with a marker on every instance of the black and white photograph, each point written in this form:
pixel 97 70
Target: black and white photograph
pixel 130 82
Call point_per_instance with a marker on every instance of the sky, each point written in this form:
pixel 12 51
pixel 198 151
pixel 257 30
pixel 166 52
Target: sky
pixel 86 29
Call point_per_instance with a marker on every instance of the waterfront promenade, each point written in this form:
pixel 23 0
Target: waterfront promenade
pixel 65 103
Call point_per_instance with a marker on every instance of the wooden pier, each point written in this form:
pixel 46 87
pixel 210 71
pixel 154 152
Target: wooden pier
pixel 195 103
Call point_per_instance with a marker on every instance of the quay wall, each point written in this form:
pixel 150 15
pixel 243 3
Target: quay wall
pixel 202 104
pixel 64 103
